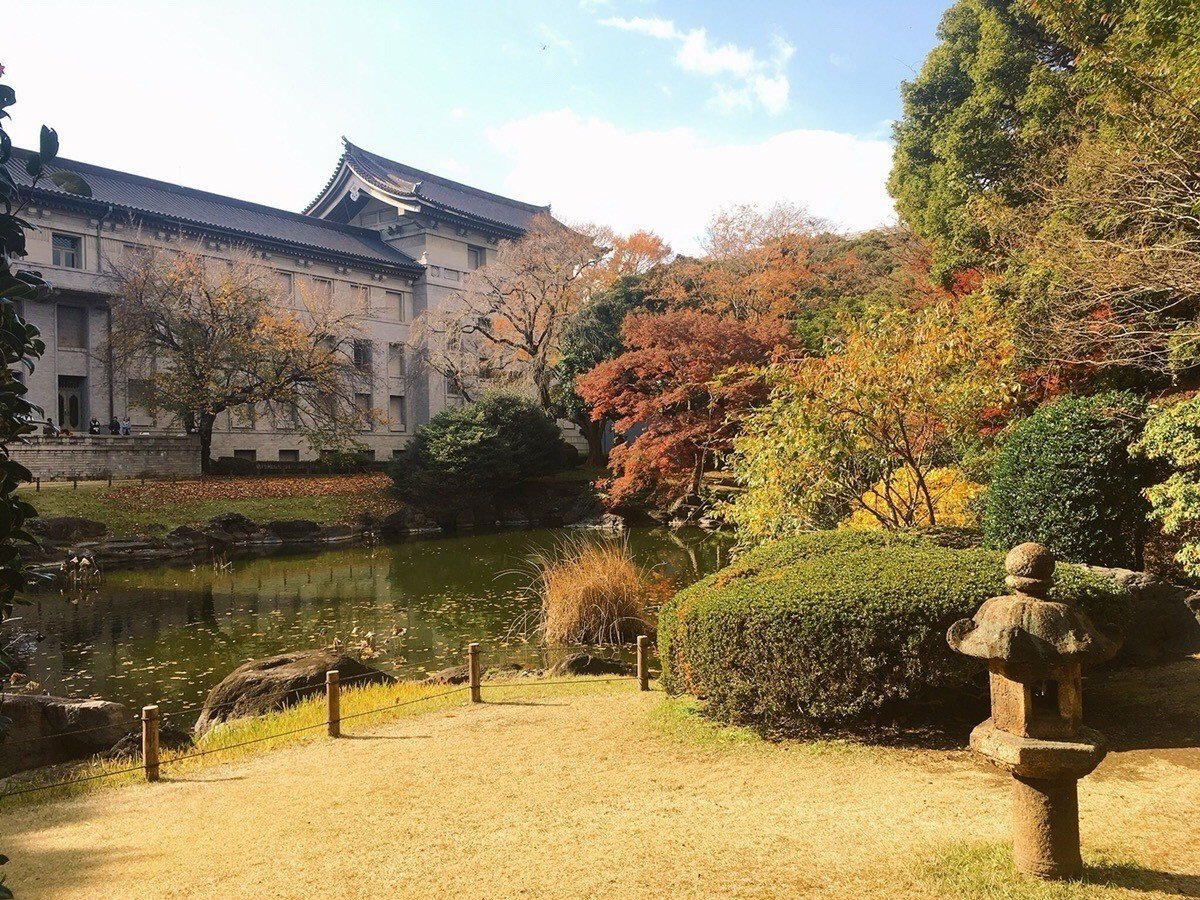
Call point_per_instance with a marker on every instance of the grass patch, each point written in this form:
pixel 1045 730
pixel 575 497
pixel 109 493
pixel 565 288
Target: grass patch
pixel 371 705
pixel 132 508
pixel 985 871
pixel 684 719
pixel 592 592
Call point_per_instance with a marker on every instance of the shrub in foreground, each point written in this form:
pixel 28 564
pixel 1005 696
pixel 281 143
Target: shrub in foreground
pixel 1065 478
pixel 471 455
pixel 592 592
pixel 832 627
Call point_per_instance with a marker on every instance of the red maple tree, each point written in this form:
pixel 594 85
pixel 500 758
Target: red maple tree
pixel 678 393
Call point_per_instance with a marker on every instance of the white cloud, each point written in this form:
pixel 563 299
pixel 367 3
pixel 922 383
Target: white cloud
pixel 664 29
pixel 458 113
pixel 698 55
pixel 741 77
pixel 672 181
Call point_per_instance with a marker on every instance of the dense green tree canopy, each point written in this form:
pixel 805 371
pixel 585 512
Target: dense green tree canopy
pixel 991 104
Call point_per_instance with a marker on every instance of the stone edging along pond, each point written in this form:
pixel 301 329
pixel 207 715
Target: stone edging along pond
pixel 65 537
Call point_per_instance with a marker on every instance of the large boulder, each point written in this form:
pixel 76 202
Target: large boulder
pixel 47 730
pixel 452 675
pixel 296 530
pixel 263 685
pixel 233 524
pixel 66 529
pixel 1166 617
pixel 170 737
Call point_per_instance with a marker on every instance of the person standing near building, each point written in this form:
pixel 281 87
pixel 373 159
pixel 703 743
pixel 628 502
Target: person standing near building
pixel 94 426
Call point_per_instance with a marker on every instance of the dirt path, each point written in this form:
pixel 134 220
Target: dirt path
pixel 589 796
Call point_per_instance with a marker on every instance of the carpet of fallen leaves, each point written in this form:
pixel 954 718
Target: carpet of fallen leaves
pixel 369 492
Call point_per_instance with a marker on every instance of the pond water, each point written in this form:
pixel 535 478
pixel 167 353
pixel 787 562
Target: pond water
pixel 168 635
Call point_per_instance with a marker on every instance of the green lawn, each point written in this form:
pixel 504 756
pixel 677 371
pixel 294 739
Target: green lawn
pixel 157 507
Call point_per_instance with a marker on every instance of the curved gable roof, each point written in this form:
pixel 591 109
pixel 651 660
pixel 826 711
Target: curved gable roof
pixel 405 182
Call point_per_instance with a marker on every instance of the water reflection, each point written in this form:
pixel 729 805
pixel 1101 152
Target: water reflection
pixel 169 634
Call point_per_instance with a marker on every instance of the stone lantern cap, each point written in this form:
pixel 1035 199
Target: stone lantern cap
pixel 1025 632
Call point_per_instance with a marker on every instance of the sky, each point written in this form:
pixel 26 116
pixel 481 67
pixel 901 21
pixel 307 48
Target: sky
pixel 631 113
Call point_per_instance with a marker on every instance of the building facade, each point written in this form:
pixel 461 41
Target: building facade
pixel 386 240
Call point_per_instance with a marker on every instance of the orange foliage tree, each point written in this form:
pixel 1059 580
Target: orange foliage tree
pixel 682 386
pixel 211 335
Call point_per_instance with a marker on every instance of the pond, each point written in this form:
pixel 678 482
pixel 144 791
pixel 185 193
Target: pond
pixel 168 635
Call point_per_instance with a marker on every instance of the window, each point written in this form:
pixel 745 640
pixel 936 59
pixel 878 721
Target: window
pixel 68 250
pixel 362 355
pixel 362 405
pixel 72 401
pixel 476 258
pixel 72 327
pixel 139 395
pixel 361 295
pixel 401 303
pixel 454 392
pixel 245 454
pixel 285 416
pixel 286 285
pixel 396 366
pixel 378 217
pixel 323 288
pixel 289 456
pixel 397 414
pixel 241 416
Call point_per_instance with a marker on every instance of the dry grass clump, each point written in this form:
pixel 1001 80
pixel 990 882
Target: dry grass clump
pixel 592 592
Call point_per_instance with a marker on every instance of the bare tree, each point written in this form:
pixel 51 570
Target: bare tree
pixel 505 324
pixel 213 335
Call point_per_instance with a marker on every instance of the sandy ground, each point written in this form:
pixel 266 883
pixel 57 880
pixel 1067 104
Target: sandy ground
pixel 584 796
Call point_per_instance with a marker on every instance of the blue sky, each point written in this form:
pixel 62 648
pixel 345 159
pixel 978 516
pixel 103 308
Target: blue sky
pixel 635 113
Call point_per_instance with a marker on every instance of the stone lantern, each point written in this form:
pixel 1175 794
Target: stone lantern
pixel 1034 648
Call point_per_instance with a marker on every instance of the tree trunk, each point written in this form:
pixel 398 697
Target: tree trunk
pixel 698 472
pixel 206 426
pixel 593 433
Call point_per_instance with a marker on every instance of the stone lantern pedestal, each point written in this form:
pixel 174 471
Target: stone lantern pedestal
pixel 1035 648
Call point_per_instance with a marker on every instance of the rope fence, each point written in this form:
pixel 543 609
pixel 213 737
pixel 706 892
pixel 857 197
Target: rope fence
pixel 152 762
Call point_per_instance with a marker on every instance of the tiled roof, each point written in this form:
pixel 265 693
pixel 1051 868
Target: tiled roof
pixel 399 179
pixel 190 206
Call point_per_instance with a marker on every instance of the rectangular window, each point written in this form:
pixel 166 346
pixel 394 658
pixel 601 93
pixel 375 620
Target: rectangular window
pixel 289 456
pixel 245 454
pixel 362 355
pixel 476 258
pixel 323 288
pixel 397 413
pixel 72 327
pixel 362 405
pixel 400 303
pixel 396 365
pixel 285 416
pixel 377 217
pixel 360 295
pixel 139 395
pixel 287 285
pixel 68 250
pixel 241 416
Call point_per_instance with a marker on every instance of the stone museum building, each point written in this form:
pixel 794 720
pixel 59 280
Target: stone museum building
pixel 388 240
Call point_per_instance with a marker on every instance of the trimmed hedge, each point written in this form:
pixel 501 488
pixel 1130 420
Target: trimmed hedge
pixel 833 626
pixel 1064 478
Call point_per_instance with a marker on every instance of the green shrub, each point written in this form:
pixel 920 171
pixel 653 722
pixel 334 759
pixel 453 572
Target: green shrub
pixel 833 626
pixel 1064 477
pixel 469 456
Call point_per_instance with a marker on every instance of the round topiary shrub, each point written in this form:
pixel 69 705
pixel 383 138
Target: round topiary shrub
pixel 832 627
pixel 471 455
pixel 1065 478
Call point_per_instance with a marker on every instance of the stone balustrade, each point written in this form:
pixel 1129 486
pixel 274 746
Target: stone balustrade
pixel 88 456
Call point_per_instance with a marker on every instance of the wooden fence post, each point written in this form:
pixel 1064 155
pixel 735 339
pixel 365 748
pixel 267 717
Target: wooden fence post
pixel 110 479
pixel 38 483
pixel 150 741
pixel 643 662
pixel 473 670
pixel 333 703
pixel 76 481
